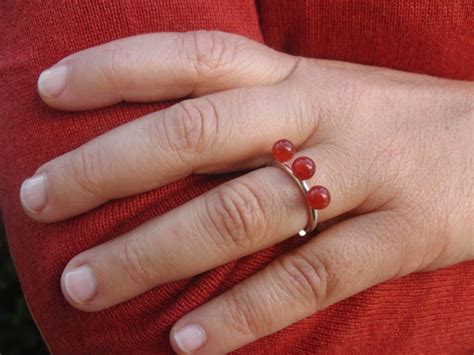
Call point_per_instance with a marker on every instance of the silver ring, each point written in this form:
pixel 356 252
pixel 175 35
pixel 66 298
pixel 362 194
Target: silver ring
pixel 304 187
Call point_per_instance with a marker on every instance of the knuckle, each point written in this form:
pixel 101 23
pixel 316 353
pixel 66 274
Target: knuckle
pixel 117 66
pixel 191 128
pixel 88 165
pixel 237 216
pixel 210 52
pixel 304 279
pixel 135 262
pixel 333 108
pixel 244 315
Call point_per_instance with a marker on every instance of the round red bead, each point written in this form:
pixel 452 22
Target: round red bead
pixel 283 150
pixel 303 168
pixel 318 197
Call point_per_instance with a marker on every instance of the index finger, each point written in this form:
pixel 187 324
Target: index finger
pixel 160 66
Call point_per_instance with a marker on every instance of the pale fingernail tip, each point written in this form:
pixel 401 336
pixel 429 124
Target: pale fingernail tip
pixel 33 194
pixel 189 338
pixel 80 284
pixel 52 82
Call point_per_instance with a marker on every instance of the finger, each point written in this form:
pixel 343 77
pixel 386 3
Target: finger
pixel 199 135
pixel 342 261
pixel 160 66
pixel 235 219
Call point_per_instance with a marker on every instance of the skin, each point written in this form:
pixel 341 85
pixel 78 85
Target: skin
pixel 395 150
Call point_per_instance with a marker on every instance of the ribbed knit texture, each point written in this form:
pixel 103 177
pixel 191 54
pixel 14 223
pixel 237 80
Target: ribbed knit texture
pixel 429 312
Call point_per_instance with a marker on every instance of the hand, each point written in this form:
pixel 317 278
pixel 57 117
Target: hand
pixel 394 149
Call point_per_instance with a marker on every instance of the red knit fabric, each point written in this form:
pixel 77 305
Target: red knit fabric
pixel 429 312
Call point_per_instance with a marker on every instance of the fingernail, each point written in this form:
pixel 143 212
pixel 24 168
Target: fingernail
pixel 189 338
pixel 51 82
pixel 80 284
pixel 33 193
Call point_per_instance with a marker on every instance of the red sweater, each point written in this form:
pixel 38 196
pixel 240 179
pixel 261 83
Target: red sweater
pixel 429 312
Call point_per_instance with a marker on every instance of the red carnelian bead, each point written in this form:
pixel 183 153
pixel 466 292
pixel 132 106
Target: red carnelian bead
pixel 283 150
pixel 303 168
pixel 318 197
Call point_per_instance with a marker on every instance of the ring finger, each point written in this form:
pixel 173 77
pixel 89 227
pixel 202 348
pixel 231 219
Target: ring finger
pixel 240 217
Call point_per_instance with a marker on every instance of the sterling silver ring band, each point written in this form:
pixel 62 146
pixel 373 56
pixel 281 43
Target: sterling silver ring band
pixel 304 187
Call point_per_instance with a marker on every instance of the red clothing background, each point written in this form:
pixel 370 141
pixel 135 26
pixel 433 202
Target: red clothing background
pixel 429 312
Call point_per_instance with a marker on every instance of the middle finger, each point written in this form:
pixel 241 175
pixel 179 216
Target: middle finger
pixel 204 134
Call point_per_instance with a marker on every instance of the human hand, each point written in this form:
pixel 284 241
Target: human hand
pixel 394 149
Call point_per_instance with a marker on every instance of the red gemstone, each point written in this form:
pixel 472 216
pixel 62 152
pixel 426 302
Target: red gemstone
pixel 283 150
pixel 318 197
pixel 303 168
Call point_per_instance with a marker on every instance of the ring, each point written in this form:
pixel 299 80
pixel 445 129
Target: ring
pixel 302 169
